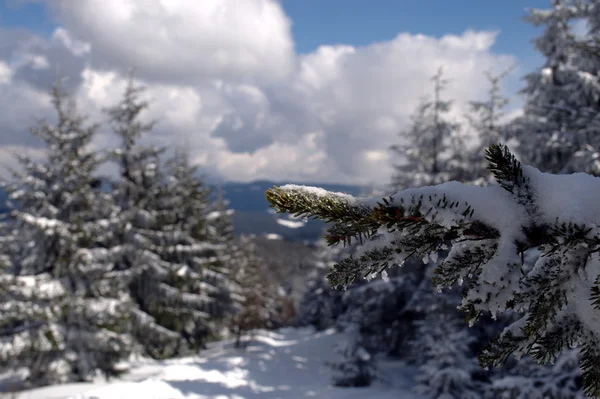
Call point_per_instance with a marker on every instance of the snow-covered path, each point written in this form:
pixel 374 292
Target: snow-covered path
pixel 285 364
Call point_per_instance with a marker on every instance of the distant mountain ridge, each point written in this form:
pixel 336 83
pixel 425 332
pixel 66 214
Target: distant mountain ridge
pixel 252 211
pixel 253 214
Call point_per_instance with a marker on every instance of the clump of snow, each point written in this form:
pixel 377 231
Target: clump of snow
pixel 318 192
pixel 217 214
pixel 292 224
pixel 572 198
pixel 273 236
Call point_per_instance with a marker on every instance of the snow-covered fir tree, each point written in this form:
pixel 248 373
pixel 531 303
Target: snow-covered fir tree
pixel 221 273
pixel 529 380
pixel 357 366
pixel 489 229
pixel 220 219
pixel 54 324
pixel 189 195
pixel 426 156
pixel 320 305
pixel 221 230
pixel 380 313
pixel 587 156
pixel 486 120
pixel 434 153
pixel 257 290
pixel 198 303
pixel 486 115
pixel 558 131
pixel 447 366
pixel 157 245
pixel 136 195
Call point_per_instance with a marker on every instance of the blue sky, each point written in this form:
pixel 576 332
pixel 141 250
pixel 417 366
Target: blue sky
pixel 362 22
pixel 25 15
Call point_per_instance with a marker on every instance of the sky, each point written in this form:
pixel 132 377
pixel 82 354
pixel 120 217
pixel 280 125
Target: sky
pixel 287 90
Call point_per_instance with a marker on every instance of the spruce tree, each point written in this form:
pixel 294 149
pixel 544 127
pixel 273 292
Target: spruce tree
pixel 220 229
pixel 447 366
pixel 428 140
pixel 320 304
pixel 380 313
pixel 587 157
pixel 198 249
pixel 489 229
pixel 486 116
pixel 136 197
pixel 257 291
pixel 357 366
pixel 529 380
pixel 53 323
pixel 558 131
pixel 220 223
pixel 161 246
pixel 485 119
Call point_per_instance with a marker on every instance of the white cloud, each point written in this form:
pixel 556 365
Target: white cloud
pixel 301 161
pixel 77 47
pixel 181 40
pixel 20 103
pixel 226 84
pixel 5 73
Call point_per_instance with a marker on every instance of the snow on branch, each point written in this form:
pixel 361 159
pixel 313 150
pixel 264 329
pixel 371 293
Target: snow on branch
pixel 489 229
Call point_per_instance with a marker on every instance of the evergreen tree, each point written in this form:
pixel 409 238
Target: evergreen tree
pixel 320 305
pixel 558 131
pixel 357 366
pixel 587 156
pixel 485 119
pixel 380 312
pixel 489 229
pixel 188 195
pixel 190 304
pixel 136 196
pixel 161 248
pixel 447 366
pixel 53 323
pixel 434 153
pixel 220 220
pixel 220 230
pixel 529 380
pixel 427 154
pixel 257 291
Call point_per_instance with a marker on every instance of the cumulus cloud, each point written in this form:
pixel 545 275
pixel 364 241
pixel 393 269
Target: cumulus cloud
pixel 39 61
pixel 20 103
pixel 184 41
pixel 226 83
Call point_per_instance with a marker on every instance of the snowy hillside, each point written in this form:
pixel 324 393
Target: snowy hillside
pixel 286 364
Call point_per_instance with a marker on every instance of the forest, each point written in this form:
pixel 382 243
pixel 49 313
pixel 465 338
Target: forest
pixel 476 267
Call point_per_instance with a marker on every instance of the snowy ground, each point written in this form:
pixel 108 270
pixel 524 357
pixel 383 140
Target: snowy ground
pixel 284 364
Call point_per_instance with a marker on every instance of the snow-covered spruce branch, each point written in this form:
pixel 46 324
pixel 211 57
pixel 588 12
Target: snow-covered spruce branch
pixel 489 229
